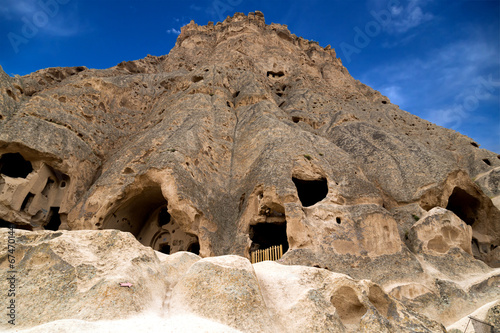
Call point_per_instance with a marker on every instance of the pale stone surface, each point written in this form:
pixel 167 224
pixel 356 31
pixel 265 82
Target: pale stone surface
pixel 305 299
pixel 77 275
pixel 69 278
pixel 139 324
pixel 223 289
pixel 438 231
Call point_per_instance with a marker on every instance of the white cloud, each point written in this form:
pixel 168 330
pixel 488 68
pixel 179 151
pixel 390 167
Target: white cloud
pixel 13 9
pixel 394 94
pixel 450 117
pixel 50 20
pixel 447 86
pixel 407 17
pixel 173 31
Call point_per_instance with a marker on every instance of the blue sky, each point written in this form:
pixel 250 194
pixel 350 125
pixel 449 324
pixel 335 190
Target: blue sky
pixel 437 59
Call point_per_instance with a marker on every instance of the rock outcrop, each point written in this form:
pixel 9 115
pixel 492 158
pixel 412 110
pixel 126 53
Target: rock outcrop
pixel 77 275
pixel 244 137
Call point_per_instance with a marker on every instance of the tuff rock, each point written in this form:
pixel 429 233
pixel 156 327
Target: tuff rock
pixel 76 275
pixel 243 137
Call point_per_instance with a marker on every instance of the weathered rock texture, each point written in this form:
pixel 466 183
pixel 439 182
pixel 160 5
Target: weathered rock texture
pixel 77 274
pixel 246 136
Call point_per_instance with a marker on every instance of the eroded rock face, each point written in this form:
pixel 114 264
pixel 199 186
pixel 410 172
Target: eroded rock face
pixel 70 280
pixel 438 231
pixel 77 275
pixel 243 137
pixel 236 111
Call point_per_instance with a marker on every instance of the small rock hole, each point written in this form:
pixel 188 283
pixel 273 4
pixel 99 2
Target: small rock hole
pixel 275 74
pixel 196 78
pixel 11 94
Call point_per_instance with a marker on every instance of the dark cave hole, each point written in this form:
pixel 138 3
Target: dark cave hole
pixel 11 94
pixel 164 248
pixel 27 201
pixel 265 235
pixel 275 74
pixel 6 224
pixel 474 144
pixel 196 79
pixel 14 165
pixel 236 94
pixel 55 219
pixel 384 102
pixel 463 205
pixel 311 191
pixel 194 248
pixel 295 119
pixel 487 161
pixel 163 217
pixel 338 220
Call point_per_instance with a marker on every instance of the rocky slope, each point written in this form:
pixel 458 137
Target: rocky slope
pixel 246 136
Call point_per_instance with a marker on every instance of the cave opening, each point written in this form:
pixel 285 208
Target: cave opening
pixel 275 74
pixel 27 201
pixel 194 248
pixel 55 219
pixel 265 235
pixel 311 191
pixel 7 224
pixel 164 248
pixel 463 205
pixel 14 165
pixel 147 217
pixel 174 240
pixel 133 213
pixel 163 217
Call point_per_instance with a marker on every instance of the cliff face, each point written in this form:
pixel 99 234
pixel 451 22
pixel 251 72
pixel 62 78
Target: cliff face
pixel 242 137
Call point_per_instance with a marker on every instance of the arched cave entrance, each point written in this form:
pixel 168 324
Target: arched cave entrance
pixel 146 216
pixel 463 205
pixel 469 209
pixel 265 235
pixel 55 219
pixel 311 191
pixel 166 235
pixel 14 165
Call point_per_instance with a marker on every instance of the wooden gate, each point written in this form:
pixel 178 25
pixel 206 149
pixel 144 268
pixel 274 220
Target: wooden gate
pixel 273 253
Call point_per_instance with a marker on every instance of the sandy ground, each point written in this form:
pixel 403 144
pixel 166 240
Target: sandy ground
pixel 144 323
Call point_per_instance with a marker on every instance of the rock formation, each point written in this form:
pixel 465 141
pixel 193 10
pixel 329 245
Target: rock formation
pixel 243 137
